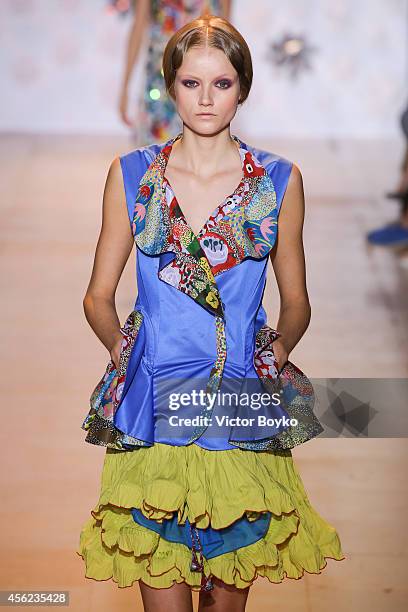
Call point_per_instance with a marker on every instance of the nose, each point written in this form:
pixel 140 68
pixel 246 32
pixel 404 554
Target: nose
pixel 205 98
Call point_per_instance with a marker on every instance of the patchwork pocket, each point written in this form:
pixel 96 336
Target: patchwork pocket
pixel 296 392
pixel 106 396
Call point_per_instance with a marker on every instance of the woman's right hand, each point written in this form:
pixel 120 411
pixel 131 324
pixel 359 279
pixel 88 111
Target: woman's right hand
pixel 280 353
pixel 115 350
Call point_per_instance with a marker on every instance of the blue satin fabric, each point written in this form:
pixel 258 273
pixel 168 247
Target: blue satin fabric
pixel 214 542
pixel 176 344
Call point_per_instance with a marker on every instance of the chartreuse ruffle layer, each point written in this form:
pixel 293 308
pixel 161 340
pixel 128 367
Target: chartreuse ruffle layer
pixel 206 487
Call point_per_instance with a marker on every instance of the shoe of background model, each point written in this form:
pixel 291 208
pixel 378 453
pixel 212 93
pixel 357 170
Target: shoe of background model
pixel 391 235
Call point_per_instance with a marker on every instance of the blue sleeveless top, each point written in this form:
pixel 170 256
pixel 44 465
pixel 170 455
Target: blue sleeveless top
pixel 197 330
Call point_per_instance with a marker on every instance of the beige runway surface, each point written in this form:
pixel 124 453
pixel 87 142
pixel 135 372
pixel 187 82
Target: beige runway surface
pixel 51 361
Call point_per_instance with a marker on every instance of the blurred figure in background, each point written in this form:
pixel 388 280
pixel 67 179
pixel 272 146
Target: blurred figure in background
pixel 395 234
pixel 156 118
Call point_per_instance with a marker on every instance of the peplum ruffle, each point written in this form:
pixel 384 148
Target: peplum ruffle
pixel 195 484
pixel 113 422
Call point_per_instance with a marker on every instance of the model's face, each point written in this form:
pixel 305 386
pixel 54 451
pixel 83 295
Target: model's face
pixel 207 90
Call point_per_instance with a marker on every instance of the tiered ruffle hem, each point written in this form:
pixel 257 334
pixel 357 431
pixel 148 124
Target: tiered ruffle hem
pixel 206 487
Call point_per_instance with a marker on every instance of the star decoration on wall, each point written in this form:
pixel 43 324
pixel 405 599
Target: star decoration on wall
pixel 292 52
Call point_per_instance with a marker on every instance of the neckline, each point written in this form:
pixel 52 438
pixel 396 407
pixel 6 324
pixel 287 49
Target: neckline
pixel 167 151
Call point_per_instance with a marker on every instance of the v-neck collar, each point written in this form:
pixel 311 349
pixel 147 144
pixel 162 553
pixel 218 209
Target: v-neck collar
pixel 166 152
pixel 245 226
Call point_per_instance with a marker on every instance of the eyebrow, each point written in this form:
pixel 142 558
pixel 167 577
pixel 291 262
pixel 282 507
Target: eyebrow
pixel 222 76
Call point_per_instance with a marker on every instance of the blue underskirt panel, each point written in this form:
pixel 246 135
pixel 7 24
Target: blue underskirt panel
pixel 214 542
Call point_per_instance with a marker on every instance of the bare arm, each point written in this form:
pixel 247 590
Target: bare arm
pixel 140 20
pixel 114 246
pixel 288 262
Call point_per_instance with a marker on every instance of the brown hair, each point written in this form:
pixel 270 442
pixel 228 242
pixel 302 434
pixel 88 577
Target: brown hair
pixel 215 32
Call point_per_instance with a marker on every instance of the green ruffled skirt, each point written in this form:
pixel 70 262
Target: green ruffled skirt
pixel 206 487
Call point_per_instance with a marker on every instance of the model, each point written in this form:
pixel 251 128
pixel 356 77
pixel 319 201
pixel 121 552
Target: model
pixel 191 499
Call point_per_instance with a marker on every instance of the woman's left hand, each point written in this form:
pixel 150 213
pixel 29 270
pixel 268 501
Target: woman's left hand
pixel 280 352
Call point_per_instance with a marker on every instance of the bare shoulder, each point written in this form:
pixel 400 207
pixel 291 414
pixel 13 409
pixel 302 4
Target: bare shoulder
pixel 115 173
pixel 295 182
pixel 293 203
pixel 114 191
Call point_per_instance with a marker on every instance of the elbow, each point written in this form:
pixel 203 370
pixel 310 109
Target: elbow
pixel 307 309
pixel 91 301
pixel 305 304
pixel 87 304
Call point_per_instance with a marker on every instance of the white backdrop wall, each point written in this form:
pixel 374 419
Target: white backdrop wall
pixel 62 60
